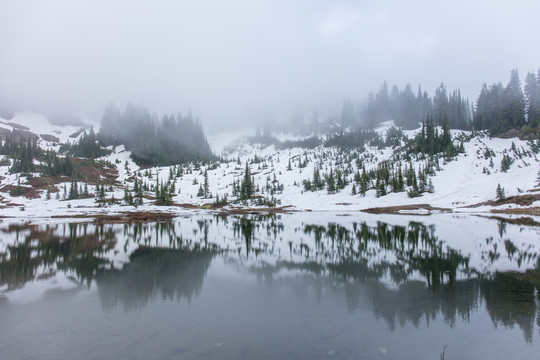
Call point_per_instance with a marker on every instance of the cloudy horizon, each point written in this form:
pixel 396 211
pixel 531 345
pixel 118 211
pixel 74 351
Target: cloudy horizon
pixel 243 61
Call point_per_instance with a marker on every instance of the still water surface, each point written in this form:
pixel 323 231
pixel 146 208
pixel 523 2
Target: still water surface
pixel 300 286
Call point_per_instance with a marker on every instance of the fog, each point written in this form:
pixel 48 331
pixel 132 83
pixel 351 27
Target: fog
pixel 242 61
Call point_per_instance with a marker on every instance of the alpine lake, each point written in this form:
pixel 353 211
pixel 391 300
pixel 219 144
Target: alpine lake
pixel 283 286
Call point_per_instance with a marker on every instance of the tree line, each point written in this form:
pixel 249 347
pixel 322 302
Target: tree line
pixel 502 108
pixel 408 109
pixel 175 139
pixel 497 109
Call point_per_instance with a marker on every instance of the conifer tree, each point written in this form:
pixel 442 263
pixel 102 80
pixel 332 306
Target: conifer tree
pixel 102 192
pixel 363 182
pixel 331 183
pixel 246 188
pixel 200 192
pixel 532 95
pixel 500 193
pixel 513 104
pixel 357 177
pixel 506 162
pixel 126 195
pixel 157 191
pixel 317 183
pixel 206 185
pixel 73 191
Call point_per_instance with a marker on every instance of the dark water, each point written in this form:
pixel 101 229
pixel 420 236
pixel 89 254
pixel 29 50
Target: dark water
pixel 304 286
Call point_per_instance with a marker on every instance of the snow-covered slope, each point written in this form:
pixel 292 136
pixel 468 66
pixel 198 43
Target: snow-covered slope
pixel 470 178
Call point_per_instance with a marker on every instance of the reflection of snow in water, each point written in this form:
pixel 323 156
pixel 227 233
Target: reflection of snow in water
pixel 395 248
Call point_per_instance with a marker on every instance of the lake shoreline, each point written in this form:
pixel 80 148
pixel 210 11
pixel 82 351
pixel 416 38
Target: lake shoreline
pixel 524 215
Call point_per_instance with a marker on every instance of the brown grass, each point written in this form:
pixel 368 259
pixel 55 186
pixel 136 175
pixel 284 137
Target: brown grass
pixel 535 211
pixel 27 192
pixel 122 218
pixel 398 209
pixel 521 200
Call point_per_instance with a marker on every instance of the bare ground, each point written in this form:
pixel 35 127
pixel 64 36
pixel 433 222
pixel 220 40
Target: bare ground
pixel 405 209
pixel 521 200
pixel 125 217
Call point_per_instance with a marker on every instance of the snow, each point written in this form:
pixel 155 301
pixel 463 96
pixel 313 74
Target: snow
pixel 285 239
pixel 39 124
pixel 469 179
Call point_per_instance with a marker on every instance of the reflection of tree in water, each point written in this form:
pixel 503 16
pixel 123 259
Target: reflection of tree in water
pixel 354 261
pixel 348 261
pixel 510 299
pixel 415 247
pixel 40 251
pixel 171 273
pixel 248 227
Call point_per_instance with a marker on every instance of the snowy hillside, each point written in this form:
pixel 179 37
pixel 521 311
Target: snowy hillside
pixel 279 176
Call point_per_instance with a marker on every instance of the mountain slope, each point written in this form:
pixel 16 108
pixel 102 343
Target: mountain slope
pixel 279 175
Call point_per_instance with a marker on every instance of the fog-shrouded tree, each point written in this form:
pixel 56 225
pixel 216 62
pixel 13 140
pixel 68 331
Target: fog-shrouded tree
pixel 440 104
pixel 513 104
pixel 532 97
pixel 487 114
pixel 348 115
pixel 408 109
pixel 172 140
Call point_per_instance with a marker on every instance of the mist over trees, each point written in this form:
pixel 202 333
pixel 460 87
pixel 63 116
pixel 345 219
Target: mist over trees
pixel 500 109
pixel 408 109
pixel 171 140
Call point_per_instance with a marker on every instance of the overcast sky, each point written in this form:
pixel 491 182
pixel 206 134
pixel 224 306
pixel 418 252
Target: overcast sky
pixel 239 60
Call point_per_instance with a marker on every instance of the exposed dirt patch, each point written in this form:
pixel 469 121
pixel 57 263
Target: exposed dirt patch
pixel 520 211
pixel 94 173
pixel 406 209
pixel 26 191
pixel 125 217
pixel 521 200
pixel 12 204
pixel 44 181
pixel 134 217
